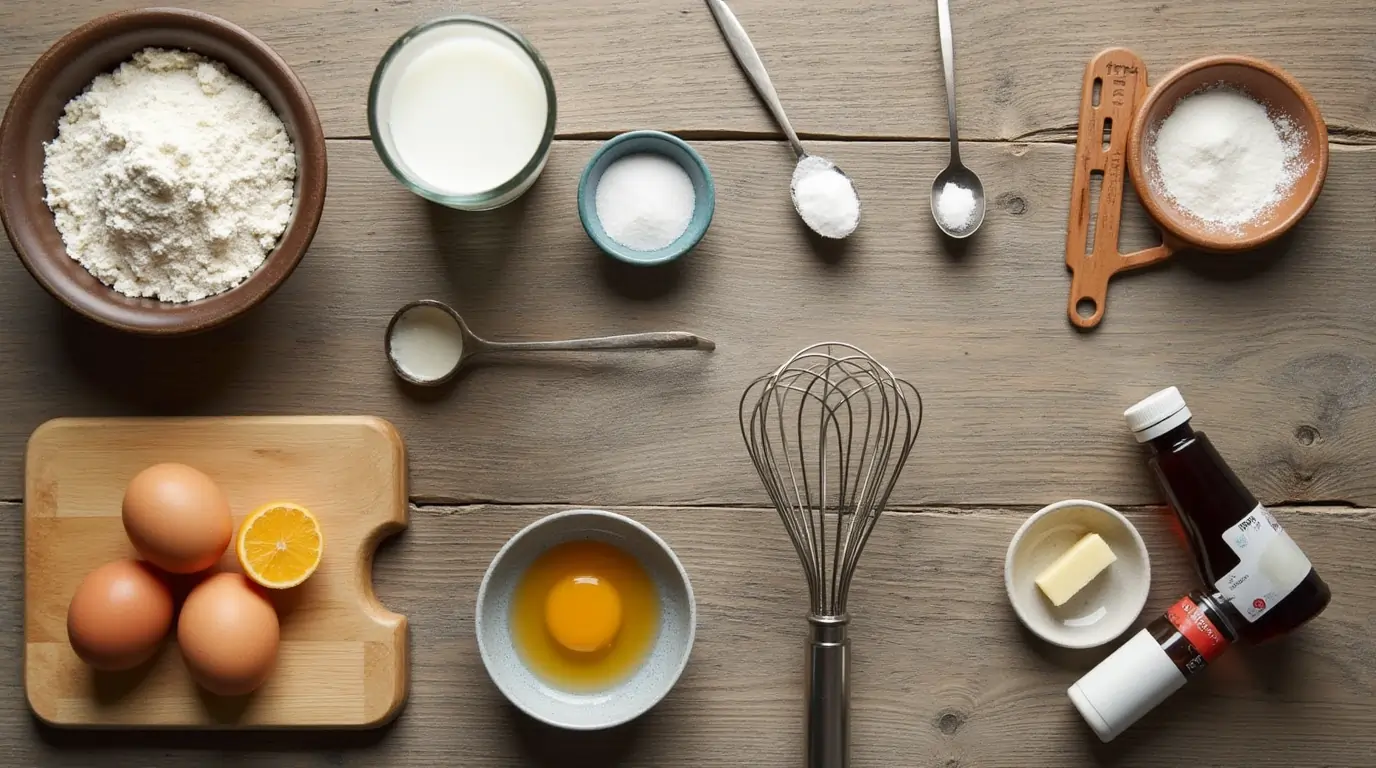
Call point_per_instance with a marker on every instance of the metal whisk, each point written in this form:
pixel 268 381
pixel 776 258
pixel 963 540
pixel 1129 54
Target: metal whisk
pixel 829 433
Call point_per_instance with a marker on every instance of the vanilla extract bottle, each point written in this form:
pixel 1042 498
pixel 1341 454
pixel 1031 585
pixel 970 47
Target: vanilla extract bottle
pixel 1261 584
pixel 1239 548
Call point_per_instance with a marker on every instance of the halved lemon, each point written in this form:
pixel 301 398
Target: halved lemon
pixel 279 545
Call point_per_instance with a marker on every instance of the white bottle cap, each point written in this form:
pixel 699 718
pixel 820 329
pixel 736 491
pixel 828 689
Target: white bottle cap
pixel 1125 686
pixel 1157 414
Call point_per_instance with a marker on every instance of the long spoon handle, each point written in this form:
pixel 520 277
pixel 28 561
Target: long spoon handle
pixel 744 51
pixel 656 340
pixel 948 61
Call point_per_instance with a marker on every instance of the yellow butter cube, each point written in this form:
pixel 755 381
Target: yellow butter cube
pixel 1073 570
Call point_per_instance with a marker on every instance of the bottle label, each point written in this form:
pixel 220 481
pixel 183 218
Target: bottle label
pixel 1193 623
pixel 1272 564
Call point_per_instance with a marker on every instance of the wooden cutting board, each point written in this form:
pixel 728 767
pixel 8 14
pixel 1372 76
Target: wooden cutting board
pixel 343 659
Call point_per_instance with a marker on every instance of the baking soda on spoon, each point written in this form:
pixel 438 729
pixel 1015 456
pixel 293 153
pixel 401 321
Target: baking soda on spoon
pixel 823 194
pixel 825 197
pixel 956 207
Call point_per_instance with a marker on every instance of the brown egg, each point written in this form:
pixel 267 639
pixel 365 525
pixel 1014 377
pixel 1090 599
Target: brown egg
pixel 119 615
pixel 228 633
pixel 177 518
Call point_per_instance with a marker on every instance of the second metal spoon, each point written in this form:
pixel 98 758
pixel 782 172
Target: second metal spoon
pixel 955 173
pixel 471 344
pixel 744 51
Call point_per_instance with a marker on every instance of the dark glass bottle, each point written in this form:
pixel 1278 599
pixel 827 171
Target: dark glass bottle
pixel 1238 547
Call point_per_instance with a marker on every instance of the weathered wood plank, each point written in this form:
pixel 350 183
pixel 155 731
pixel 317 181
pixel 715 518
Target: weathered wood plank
pixel 843 68
pixel 943 675
pixel 1276 351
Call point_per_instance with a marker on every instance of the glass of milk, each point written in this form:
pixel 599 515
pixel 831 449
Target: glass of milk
pixel 462 111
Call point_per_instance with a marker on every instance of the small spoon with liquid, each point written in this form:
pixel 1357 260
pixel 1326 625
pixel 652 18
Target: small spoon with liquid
pixel 823 195
pixel 961 211
pixel 427 343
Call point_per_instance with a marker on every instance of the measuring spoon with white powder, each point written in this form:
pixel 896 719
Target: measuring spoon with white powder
pixel 957 192
pixel 823 195
pixel 427 343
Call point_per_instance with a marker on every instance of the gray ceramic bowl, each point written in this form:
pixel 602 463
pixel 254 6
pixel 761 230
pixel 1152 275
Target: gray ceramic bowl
pixel 584 711
pixel 658 142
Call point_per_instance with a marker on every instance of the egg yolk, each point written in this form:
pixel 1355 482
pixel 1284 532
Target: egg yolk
pixel 583 613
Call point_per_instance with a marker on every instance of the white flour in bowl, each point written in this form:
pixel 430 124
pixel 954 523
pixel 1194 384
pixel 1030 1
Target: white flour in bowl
pixel 1223 159
pixel 170 178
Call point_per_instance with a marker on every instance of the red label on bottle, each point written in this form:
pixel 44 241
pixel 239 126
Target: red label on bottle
pixel 1190 620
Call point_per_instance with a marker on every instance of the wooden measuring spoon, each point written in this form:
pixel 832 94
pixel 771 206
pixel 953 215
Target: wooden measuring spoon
pixel 1114 86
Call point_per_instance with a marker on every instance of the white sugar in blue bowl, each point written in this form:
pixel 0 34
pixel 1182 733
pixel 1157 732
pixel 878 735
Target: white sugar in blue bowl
pixel 659 145
pixel 623 702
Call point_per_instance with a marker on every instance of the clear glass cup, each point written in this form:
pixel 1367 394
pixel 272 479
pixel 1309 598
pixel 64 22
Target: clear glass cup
pixel 389 70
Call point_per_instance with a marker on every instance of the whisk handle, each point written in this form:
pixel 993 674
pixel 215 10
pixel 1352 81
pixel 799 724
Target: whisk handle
pixel 828 693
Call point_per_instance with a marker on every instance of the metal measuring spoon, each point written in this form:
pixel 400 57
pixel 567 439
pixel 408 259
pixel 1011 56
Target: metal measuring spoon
pixel 744 51
pixel 955 172
pixel 469 344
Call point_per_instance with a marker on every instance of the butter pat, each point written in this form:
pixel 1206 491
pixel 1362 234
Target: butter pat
pixel 1061 580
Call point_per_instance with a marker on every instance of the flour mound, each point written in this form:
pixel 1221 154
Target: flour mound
pixel 1224 159
pixel 170 178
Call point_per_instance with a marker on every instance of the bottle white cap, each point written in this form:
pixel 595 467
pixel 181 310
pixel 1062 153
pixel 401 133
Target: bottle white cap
pixel 1126 686
pixel 1157 414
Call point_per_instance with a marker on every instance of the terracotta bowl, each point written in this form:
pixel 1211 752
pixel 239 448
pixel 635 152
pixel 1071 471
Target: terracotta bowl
pixel 1281 95
pixel 63 72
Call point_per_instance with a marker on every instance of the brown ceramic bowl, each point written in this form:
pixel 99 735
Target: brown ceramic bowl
pixel 1281 95
pixel 63 72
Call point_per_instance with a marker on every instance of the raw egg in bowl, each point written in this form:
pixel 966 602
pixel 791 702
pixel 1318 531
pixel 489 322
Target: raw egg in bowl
pixel 585 619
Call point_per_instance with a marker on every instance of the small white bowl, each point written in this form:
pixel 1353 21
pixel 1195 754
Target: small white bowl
pixel 583 711
pixel 1108 605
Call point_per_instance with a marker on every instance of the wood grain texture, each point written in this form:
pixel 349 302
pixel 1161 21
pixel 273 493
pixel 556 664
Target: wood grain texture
pixel 944 675
pixel 842 67
pixel 1275 350
pixel 343 658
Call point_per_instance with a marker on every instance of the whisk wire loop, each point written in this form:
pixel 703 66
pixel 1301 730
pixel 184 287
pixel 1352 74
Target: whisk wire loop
pixel 828 433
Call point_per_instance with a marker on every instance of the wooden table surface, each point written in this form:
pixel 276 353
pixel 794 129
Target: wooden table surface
pixel 1275 350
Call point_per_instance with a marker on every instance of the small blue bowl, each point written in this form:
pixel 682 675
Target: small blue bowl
pixel 669 146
